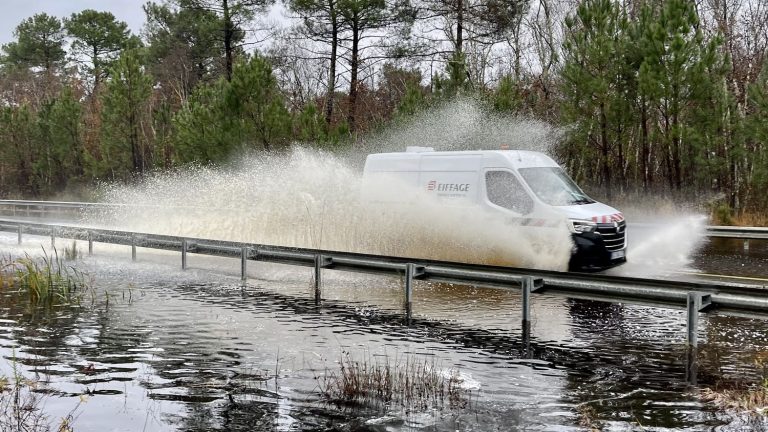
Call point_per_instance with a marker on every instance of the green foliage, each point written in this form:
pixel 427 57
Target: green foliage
pixel 253 98
pixel 98 36
pixel 202 126
pixel 412 102
pixel 59 128
pixel 44 281
pixel 756 136
pixel 456 81
pixel 125 149
pixel 223 118
pixel 181 40
pixel 17 150
pixel 231 15
pixel 646 93
pixel 309 125
pixel 40 43
pixel 595 85
pixel 506 97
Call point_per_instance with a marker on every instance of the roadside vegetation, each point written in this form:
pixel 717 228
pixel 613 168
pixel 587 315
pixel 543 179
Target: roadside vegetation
pixel 658 98
pixel 45 280
pixel 21 407
pixel 747 399
pixel 405 381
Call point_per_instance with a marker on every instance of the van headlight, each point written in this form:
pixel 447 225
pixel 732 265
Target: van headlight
pixel 581 226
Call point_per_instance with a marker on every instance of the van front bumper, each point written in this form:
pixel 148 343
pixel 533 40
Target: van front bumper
pixel 591 254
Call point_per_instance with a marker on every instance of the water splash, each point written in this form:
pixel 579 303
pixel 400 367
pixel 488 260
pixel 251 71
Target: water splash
pixel 664 247
pixel 309 198
pixel 461 124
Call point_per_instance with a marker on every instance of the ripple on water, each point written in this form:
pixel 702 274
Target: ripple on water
pixel 212 350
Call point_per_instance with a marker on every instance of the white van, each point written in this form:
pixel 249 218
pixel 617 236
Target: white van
pixel 522 185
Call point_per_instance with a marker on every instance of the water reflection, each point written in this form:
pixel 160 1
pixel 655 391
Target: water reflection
pixel 193 351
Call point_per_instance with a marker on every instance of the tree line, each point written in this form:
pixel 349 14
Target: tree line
pixel 667 97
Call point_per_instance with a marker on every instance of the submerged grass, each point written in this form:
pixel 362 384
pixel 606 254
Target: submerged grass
pixel 410 382
pixel 749 398
pixel 21 406
pixel 746 399
pixel 44 280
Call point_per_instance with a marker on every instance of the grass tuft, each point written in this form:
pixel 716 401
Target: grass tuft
pixel 743 397
pixel 410 382
pixel 44 280
pixel 748 399
pixel 71 253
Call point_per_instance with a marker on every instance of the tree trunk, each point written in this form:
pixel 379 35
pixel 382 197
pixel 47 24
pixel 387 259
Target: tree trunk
pixel 460 26
pixel 134 138
pixel 229 35
pixel 353 65
pixel 332 69
pixel 605 153
pixel 96 73
pixel 676 156
pixel 645 150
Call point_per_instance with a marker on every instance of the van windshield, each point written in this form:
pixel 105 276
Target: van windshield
pixel 553 186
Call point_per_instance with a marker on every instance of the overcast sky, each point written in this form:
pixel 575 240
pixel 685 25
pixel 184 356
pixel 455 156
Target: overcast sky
pixel 12 12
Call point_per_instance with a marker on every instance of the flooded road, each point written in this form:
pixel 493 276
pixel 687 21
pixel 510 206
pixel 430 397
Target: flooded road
pixel 730 257
pixel 162 349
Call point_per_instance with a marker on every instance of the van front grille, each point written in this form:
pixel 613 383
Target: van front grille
pixel 614 235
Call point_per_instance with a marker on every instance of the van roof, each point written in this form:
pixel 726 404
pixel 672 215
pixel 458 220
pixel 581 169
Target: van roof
pixel 491 158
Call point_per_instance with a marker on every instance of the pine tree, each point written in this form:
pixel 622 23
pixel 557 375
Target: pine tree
pixel 595 87
pixel 756 136
pixel 99 37
pixel 125 149
pixel 226 118
pixel 60 160
pixel 40 43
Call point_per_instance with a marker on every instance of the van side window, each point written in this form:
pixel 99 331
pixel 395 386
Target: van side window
pixel 505 190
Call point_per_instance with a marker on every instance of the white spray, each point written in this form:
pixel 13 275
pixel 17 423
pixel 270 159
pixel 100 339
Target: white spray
pixel 310 198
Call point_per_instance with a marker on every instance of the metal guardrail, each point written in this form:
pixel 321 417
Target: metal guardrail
pixel 696 297
pixel 68 208
pixel 744 233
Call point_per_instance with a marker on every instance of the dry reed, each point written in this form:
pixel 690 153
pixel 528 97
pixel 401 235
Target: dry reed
pixel 408 381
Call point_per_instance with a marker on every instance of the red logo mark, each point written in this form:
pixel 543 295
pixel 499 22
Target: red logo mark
pixel 431 185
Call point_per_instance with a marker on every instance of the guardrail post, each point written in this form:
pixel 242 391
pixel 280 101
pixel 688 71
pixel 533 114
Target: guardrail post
pixel 21 230
pixel 184 254
pixel 53 238
pixel 90 243
pixel 746 245
pixel 244 263
pixel 133 248
pixel 696 302
pixel 528 285
pixel 321 262
pixel 693 319
pixel 410 270
pixel 318 278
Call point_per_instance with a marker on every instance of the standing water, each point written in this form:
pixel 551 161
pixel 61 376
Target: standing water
pixel 156 348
